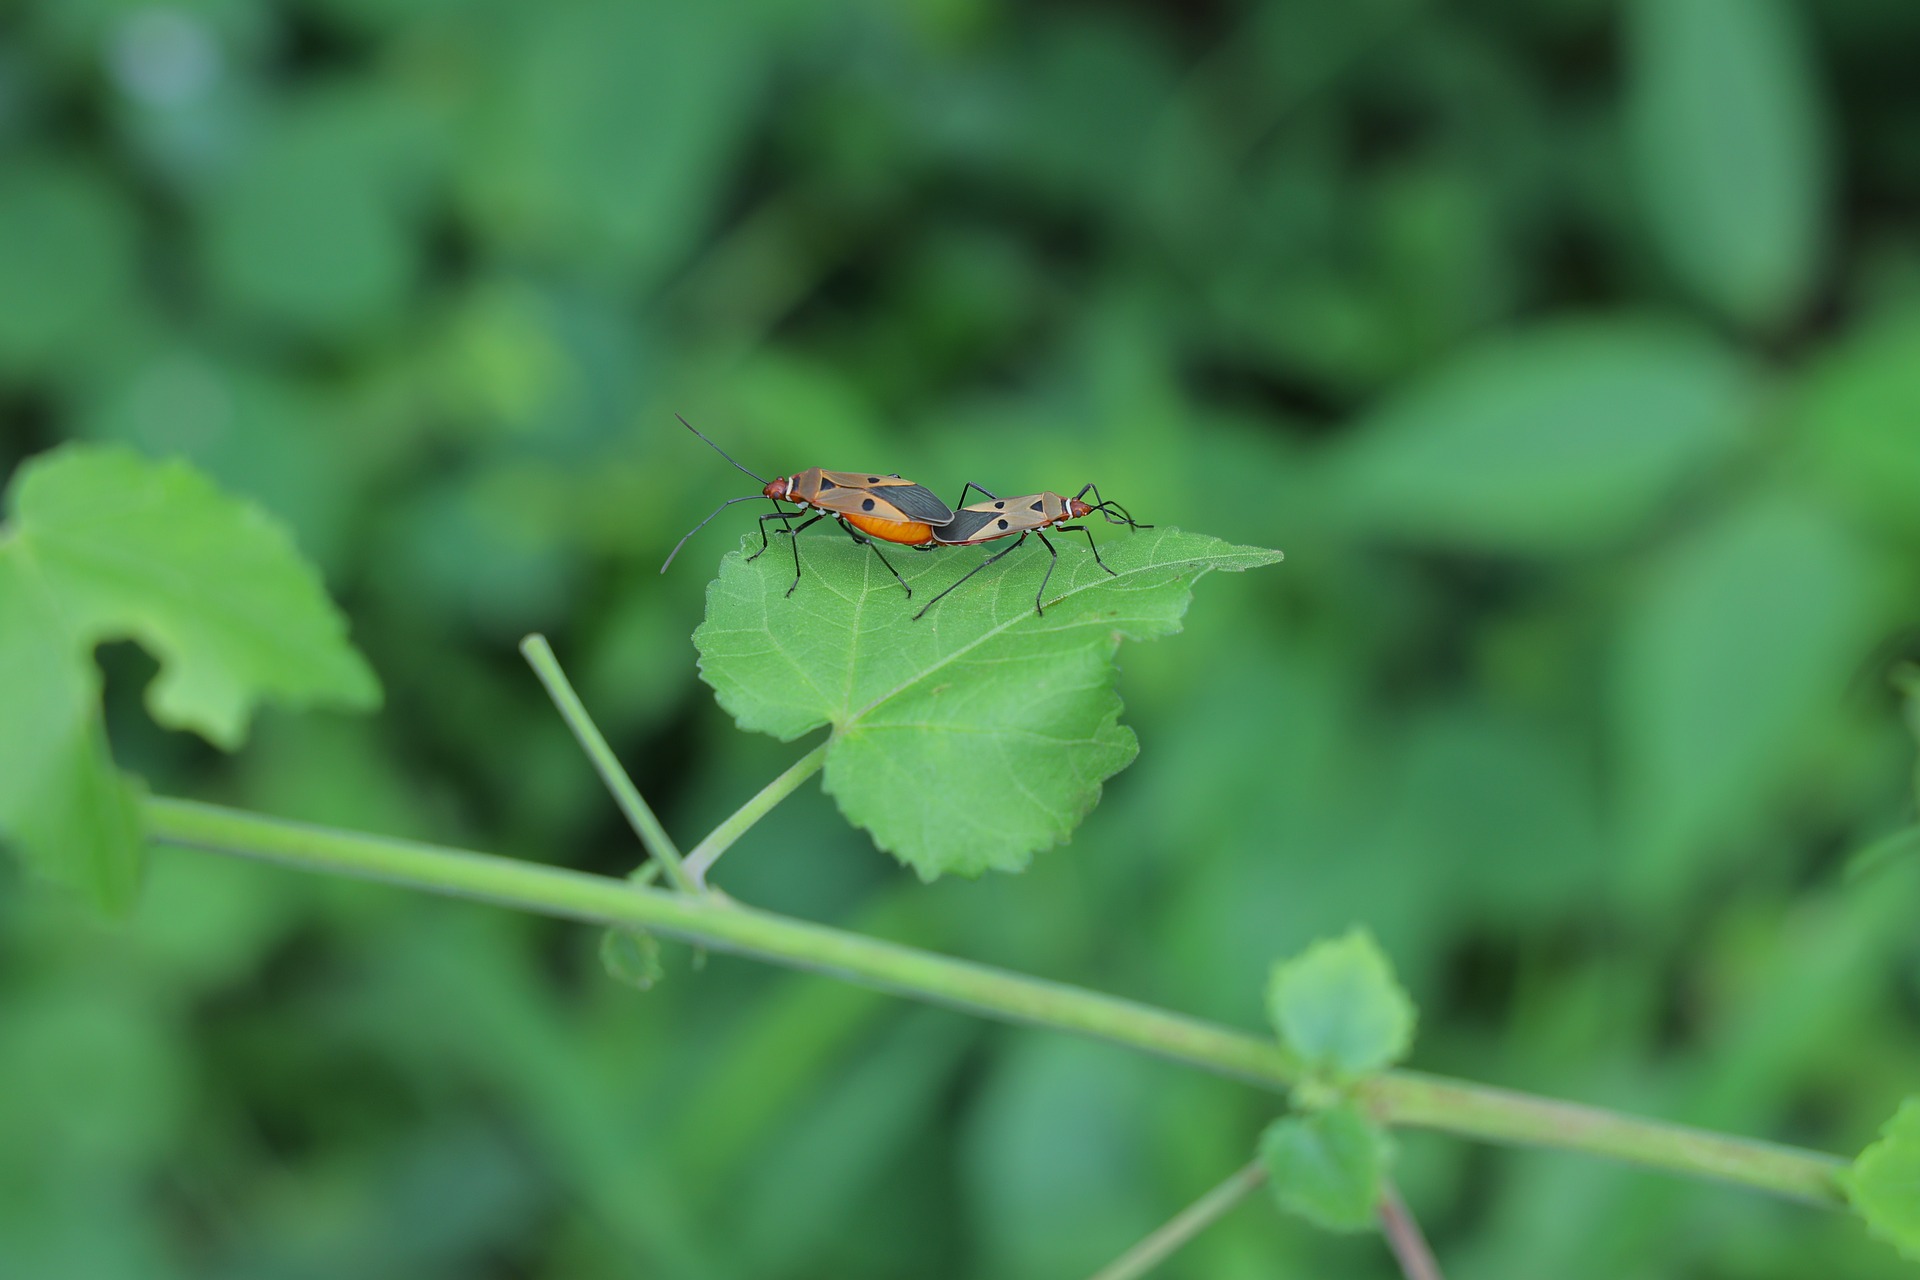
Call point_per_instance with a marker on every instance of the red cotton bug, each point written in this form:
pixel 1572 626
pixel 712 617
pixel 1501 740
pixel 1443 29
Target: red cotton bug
pixel 1029 514
pixel 867 506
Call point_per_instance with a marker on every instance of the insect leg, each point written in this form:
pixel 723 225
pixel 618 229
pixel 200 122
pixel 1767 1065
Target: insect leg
pixel 795 533
pixel 962 500
pixel 779 513
pixel 1068 528
pixel 969 573
pixel 873 547
pixel 1049 573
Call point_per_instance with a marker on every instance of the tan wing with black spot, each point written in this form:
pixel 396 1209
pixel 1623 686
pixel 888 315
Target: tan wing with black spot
pixel 1002 518
pixel 864 493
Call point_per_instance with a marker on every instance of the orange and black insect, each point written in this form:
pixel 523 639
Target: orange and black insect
pixel 1031 513
pixel 866 505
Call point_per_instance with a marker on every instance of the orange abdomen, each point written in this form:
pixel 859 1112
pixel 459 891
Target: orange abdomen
pixel 907 533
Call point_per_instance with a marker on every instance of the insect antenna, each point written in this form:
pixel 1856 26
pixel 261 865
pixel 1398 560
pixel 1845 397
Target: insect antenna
pixel 1109 507
pixel 717 449
pixel 751 497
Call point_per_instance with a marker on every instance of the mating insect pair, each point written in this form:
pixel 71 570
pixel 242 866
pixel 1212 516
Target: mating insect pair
pixel 890 509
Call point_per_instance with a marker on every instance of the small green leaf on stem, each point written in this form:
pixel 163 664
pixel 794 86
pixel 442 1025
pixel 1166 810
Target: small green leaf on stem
pixel 1884 1183
pixel 1327 1166
pixel 970 739
pixel 632 957
pixel 1338 1006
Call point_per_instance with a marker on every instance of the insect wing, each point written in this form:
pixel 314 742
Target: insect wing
pixel 971 525
pixel 1002 518
pixel 880 497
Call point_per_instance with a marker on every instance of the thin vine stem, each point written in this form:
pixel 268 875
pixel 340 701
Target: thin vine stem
pixel 1404 1237
pixel 539 656
pixel 708 851
pixel 1396 1097
pixel 1184 1226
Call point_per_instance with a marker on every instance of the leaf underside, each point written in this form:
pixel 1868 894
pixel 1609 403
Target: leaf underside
pixel 980 734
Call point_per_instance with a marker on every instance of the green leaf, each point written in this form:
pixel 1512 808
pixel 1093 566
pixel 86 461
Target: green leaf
pixel 1858 420
pixel 1555 440
pixel 1884 1182
pixel 1728 138
pixel 211 586
pixel 1736 652
pixel 1338 1005
pixel 970 739
pixel 104 545
pixel 1327 1166
pixel 64 805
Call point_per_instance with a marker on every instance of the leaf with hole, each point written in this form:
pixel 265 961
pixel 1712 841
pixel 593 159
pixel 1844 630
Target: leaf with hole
pixel 103 545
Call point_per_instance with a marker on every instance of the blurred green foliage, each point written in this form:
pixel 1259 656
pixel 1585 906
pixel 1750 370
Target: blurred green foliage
pixel 1570 350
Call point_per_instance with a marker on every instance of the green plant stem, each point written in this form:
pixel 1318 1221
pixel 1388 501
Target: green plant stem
pixel 1404 1237
pixel 1401 1098
pixel 1184 1226
pixel 539 656
pixel 1417 1100
pixel 708 851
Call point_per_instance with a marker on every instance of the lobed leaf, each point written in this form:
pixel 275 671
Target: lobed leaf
pixel 972 738
pixel 1327 1166
pixel 1338 1005
pixel 104 545
pixel 208 584
pixel 1884 1182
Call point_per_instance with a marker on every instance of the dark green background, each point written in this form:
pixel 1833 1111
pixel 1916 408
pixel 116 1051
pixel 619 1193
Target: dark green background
pixel 1570 350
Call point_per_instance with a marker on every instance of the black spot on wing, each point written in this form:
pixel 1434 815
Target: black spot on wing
pixel 917 502
pixel 965 525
